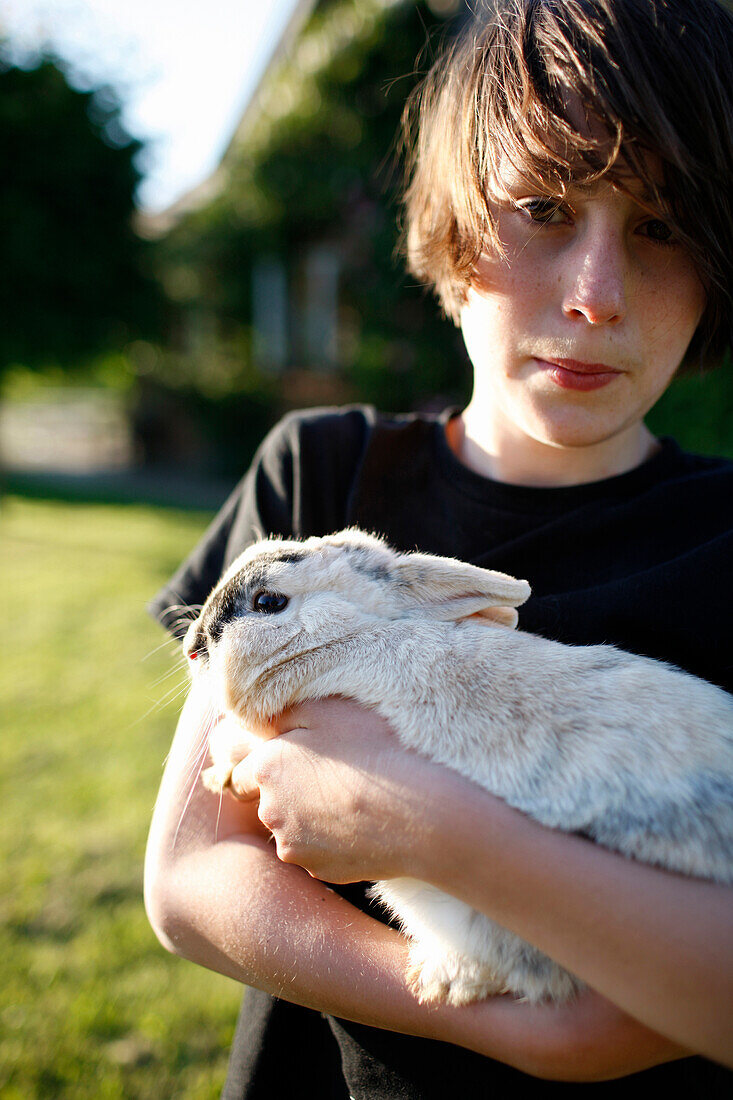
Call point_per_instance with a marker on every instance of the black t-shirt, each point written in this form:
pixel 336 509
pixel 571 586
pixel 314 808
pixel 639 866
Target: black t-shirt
pixel 642 560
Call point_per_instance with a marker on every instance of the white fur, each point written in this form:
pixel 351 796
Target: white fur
pixel 629 751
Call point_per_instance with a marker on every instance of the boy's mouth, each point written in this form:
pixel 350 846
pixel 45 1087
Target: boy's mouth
pixel 571 374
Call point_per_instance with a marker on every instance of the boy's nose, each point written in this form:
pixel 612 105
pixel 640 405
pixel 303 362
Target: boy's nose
pixel 597 282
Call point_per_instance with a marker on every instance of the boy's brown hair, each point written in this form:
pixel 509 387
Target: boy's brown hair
pixel 654 75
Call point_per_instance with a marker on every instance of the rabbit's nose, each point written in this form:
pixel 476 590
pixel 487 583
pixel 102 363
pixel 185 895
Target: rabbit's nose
pixel 195 644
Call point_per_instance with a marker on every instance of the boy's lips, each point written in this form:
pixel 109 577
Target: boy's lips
pixel 572 374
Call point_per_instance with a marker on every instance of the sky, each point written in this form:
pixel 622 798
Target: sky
pixel 185 70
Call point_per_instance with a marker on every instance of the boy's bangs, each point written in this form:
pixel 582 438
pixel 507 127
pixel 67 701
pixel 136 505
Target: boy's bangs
pixel 550 137
pixel 573 141
pixel 554 113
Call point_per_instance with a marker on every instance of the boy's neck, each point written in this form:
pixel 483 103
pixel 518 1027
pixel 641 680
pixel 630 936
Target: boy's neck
pixel 521 460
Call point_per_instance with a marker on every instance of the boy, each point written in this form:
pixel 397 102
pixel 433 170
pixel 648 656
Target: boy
pixel 568 201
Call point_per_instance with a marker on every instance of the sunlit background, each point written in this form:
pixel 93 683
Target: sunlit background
pixel 185 71
pixel 199 207
pixel 208 237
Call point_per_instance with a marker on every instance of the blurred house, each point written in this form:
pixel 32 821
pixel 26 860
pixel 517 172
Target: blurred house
pixel 70 430
pixel 280 270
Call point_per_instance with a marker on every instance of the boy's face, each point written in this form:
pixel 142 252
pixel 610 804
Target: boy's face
pixel 576 333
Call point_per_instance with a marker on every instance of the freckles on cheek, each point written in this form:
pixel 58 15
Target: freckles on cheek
pixel 677 298
pixel 673 325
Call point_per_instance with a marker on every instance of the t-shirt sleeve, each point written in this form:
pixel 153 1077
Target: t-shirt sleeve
pixel 298 485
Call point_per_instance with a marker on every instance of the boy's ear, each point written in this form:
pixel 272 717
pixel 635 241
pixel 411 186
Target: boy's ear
pixel 454 590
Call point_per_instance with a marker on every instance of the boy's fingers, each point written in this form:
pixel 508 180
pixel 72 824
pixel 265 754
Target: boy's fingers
pixel 243 785
pixel 291 719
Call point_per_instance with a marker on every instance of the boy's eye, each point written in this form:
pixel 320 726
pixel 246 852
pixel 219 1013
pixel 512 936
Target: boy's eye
pixel 658 231
pixel 545 211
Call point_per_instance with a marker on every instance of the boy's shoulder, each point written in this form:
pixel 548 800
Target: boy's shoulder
pixel 344 419
pixel 326 425
pixel 320 434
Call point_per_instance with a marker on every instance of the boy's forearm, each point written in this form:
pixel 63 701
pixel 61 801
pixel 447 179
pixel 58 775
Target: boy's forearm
pixel 216 893
pixel 232 906
pixel 229 904
pixel 615 922
pixel 239 911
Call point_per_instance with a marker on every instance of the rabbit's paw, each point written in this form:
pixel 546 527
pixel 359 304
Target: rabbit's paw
pixel 217 778
pixel 450 977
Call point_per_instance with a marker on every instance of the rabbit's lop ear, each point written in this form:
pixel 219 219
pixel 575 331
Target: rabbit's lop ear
pixel 449 589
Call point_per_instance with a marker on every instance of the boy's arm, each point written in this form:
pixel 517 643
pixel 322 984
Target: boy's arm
pixel 217 894
pixel 655 943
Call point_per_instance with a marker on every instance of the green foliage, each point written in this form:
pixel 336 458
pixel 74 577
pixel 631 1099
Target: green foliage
pixel 325 168
pixel 76 273
pixel 91 1006
pixel 697 410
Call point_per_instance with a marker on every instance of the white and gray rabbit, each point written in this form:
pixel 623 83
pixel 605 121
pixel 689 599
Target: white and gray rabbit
pixel 625 750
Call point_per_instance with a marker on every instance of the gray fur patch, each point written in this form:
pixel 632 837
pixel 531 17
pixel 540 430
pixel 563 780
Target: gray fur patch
pixel 274 557
pixel 224 606
pixel 672 829
pixel 361 561
pixel 256 576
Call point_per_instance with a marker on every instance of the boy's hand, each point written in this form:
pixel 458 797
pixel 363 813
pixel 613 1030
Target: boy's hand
pixel 340 795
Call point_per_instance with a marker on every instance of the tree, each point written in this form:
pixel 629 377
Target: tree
pixel 75 270
pixel 324 168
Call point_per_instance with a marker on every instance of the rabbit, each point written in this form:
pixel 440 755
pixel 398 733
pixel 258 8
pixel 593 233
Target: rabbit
pixel 627 751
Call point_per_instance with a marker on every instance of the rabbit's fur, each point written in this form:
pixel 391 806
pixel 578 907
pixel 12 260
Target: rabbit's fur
pixel 625 750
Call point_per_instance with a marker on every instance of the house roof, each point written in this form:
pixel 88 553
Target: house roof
pixel 266 100
pixel 157 225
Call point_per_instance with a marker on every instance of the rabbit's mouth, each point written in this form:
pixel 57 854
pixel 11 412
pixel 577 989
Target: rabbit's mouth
pixel 259 693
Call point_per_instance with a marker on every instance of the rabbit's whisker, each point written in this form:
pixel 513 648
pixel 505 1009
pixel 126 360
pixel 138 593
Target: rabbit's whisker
pixel 198 765
pixel 194 756
pixel 169 698
pixel 192 788
pixel 167 675
pixel 168 643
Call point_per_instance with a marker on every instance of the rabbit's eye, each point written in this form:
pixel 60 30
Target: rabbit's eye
pixel 269 603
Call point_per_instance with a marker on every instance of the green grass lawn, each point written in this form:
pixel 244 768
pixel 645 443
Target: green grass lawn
pixel 90 1004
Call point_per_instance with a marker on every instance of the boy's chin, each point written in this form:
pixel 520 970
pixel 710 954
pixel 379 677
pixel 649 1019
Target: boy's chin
pixel 582 430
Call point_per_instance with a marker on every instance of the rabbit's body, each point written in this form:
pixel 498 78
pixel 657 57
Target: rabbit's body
pixel 625 750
